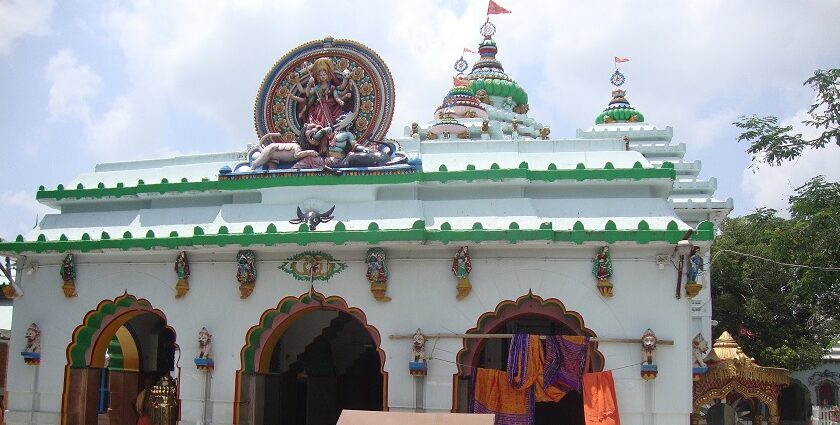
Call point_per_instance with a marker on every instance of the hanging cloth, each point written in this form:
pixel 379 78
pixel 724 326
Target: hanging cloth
pixel 525 360
pixel 566 358
pixel 494 394
pixel 600 405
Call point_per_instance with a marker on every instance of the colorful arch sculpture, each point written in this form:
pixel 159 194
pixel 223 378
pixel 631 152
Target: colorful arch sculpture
pixel 88 346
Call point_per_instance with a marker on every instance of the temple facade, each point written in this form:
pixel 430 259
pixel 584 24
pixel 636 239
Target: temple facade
pixel 330 266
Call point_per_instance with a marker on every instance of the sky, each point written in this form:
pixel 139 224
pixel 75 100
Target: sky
pixel 85 82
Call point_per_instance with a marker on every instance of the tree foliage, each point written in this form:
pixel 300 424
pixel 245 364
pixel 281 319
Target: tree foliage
pixel 794 311
pixel 774 144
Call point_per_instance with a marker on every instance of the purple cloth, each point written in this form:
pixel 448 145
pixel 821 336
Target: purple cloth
pixel 565 362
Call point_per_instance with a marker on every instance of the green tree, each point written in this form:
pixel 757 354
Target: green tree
pixel 794 310
pixel 774 144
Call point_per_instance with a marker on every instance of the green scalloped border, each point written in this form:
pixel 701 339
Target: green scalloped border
pixel 373 235
pixel 252 182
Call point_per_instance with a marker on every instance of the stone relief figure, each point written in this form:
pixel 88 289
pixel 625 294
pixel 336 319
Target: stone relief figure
pixel 326 96
pixel 182 270
pixel 699 348
pixel 461 268
pixel 33 339
pixel 602 269
pixel 246 272
pixel 68 275
pixel 695 264
pixel 649 347
pixel 377 273
pixel 419 361
pixel 205 344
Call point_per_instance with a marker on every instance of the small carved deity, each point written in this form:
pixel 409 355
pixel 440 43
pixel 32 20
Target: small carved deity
pixel 695 270
pixel 182 270
pixel 485 126
pixel 246 272
pixel 602 269
pixel 544 132
pixel 699 348
pixel 626 143
pixel 377 273
pixel 649 347
pixel 68 275
pixel 461 268
pixel 205 344
pixel 415 129
pixel 419 361
pixel 33 339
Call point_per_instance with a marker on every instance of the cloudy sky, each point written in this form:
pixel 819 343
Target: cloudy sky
pixel 89 82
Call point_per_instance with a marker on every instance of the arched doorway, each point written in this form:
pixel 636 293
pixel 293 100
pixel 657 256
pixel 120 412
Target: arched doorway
pixel 795 402
pixel 307 360
pixel 121 346
pixel 532 315
pixel 826 393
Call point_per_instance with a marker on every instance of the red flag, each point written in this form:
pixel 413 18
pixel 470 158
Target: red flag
pixel 746 332
pixel 620 60
pixel 494 9
pixel 468 50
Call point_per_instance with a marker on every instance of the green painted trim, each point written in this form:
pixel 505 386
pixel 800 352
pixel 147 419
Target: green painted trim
pixel 83 336
pixel 441 176
pixel 373 236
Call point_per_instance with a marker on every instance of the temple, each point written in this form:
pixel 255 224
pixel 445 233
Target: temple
pixel 329 266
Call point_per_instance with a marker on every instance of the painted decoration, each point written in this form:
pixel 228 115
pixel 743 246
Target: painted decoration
pixel 32 352
pixel 602 269
pixel 312 265
pixel 324 106
pixel 377 273
pixel 246 272
pixel 68 275
pixel 695 270
pixel 418 366
pixel 313 218
pixel 182 270
pixel 699 347
pixel 461 268
pixel 204 361
pixel 649 367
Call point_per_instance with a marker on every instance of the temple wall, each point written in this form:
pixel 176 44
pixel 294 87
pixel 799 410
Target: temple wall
pixel 422 289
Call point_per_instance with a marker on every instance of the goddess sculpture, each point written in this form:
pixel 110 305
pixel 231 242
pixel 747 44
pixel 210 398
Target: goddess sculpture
pixel 602 269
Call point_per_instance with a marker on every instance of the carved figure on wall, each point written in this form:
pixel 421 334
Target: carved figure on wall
pixel 602 269
pixel 415 129
pixel 313 218
pixel 649 347
pixel 377 273
pixel 246 272
pixel 544 132
pixel 461 268
pixel 205 344
pixel 182 270
pixel 419 361
pixel 68 275
pixel 695 270
pixel 273 151
pixel 33 339
pixel 485 126
pixel 326 96
pixel 649 367
pixel 699 348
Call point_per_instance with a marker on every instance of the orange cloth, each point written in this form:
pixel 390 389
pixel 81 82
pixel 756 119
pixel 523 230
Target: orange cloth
pixel 600 405
pixel 535 359
pixel 494 394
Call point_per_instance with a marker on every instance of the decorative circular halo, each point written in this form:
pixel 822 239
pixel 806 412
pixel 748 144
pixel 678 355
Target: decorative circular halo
pixel 288 95
pixel 617 78
pixel 488 29
pixel 461 65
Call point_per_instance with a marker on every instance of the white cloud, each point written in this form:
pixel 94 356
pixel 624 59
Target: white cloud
pixel 772 186
pixel 19 18
pixel 20 210
pixel 71 86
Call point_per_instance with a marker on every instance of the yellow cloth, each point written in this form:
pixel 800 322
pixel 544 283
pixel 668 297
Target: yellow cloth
pixel 494 393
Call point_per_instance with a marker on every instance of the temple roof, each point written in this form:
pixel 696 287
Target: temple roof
pixel 727 361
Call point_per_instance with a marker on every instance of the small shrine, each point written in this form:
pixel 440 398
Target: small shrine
pixel 735 388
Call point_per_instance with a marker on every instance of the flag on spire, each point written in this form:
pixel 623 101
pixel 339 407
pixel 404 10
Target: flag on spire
pixel 621 60
pixel 468 50
pixel 493 8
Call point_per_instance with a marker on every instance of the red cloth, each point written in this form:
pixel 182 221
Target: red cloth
pixel 494 9
pixel 144 420
pixel 600 405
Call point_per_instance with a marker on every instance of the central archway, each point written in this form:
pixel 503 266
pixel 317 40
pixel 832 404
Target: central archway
pixel 309 351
